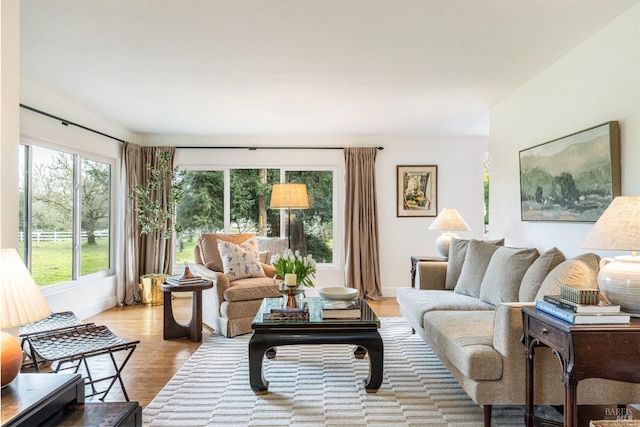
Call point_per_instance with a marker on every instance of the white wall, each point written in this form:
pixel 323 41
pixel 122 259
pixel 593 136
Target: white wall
pixel 597 82
pixel 460 185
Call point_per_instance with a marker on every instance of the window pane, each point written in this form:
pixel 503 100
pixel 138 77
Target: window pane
pixel 95 216
pixel 315 223
pixel 200 211
pixel 52 216
pixel 250 195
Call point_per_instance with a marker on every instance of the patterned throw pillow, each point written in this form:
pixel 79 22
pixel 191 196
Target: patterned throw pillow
pixel 240 261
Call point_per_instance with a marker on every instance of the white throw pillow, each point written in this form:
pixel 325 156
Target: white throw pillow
pixel 240 261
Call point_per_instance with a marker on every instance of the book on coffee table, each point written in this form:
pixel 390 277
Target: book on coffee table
pixel 338 309
pixel 600 307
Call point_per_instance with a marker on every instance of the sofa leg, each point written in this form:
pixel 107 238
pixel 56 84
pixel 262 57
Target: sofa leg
pixel 413 331
pixel 486 409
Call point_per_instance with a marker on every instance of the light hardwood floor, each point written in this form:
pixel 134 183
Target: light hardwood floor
pixel 156 360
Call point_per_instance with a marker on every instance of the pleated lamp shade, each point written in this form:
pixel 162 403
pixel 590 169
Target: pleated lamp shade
pixel 22 303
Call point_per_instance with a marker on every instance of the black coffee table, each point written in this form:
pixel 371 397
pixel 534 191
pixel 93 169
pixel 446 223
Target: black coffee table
pixel 269 334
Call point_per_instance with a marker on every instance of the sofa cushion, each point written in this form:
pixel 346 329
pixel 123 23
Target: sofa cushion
pixel 465 339
pixel 538 271
pixel 252 288
pixel 457 253
pixel 416 302
pixel 240 261
pixel 208 244
pixel 475 264
pixel 581 271
pixel 507 267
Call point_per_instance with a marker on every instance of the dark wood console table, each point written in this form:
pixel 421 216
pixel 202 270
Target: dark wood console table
pixel 617 358
pixel 31 399
pixel 193 330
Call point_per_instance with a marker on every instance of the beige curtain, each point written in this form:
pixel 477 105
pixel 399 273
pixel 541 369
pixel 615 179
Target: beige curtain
pixel 142 254
pixel 361 223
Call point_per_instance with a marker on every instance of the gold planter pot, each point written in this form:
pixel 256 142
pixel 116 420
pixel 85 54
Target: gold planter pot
pixel 150 292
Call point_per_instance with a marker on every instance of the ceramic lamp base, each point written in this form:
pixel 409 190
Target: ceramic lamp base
pixel 444 242
pixel 11 358
pixel 619 281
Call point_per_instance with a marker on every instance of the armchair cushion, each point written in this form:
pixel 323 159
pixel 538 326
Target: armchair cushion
pixel 240 261
pixel 208 244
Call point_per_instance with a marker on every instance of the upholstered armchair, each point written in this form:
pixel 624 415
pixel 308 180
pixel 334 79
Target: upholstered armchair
pixel 231 305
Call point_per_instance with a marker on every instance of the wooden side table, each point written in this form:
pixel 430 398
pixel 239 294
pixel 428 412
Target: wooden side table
pixel 193 330
pixel 415 259
pixel 617 358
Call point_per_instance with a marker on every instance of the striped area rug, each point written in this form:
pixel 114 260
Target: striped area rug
pixel 319 385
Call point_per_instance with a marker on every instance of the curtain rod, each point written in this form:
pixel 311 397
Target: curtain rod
pixel 66 122
pixel 254 148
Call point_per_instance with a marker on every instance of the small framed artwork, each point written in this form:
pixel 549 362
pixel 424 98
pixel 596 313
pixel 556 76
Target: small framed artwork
pixel 573 178
pixel 417 191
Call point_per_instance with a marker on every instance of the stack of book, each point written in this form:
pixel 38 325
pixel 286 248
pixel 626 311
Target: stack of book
pixel 181 280
pixel 582 308
pixel 337 309
pixel 287 313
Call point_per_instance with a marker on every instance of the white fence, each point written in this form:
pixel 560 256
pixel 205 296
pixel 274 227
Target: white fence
pixel 60 236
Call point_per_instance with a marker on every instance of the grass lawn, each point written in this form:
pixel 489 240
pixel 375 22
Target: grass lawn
pixel 51 261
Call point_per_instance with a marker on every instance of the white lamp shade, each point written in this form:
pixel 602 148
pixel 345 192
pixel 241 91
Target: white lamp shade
pixel 289 195
pixel 22 301
pixel 449 220
pixel 618 229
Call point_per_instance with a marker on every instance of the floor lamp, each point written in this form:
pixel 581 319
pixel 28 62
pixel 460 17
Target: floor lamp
pixel 289 195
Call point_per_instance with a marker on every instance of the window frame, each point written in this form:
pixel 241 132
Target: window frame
pixel 26 145
pixel 283 170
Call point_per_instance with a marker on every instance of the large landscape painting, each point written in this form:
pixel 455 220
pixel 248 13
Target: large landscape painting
pixel 573 178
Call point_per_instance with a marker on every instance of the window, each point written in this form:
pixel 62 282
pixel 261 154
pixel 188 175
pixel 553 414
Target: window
pixel 248 194
pixel 65 214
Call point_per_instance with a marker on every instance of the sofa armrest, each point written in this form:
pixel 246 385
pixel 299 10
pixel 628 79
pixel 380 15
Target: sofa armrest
pixel 431 275
pixel 507 328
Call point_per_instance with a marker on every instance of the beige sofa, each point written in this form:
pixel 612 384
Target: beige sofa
pixel 231 305
pixel 468 311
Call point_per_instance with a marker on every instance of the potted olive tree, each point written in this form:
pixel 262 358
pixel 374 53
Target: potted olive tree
pixel 155 206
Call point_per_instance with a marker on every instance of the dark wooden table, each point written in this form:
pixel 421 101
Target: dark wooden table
pixel 31 399
pixel 268 334
pixel 617 358
pixel 193 330
pixel 415 259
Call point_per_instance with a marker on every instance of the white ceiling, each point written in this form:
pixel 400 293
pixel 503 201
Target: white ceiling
pixel 299 67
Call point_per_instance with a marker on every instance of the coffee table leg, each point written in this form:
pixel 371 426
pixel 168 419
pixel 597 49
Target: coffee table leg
pixel 375 348
pixel 257 350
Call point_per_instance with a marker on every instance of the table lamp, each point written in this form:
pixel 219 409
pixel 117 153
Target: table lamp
pixel 289 195
pixel 22 303
pixel 448 220
pixel 618 229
